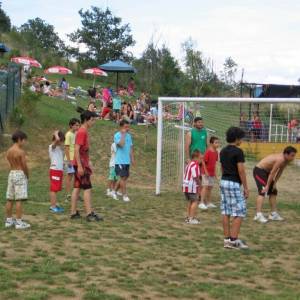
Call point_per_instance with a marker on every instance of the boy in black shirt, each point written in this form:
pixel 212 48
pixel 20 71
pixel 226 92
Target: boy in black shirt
pixel 233 200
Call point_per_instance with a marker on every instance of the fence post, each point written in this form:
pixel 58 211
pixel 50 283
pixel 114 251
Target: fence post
pixel 159 146
pixel 270 123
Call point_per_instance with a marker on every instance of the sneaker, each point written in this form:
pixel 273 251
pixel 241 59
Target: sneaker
pixel 57 209
pixel 275 216
pixel 193 221
pixel 119 194
pixel 10 222
pixel 114 196
pixel 126 199
pixel 202 206
pixel 259 217
pixel 93 217
pixel 227 243
pixel 21 225
pixel 187 220
pixel 108 193
pixel 75 216
pixel 237 244
pixel 211 205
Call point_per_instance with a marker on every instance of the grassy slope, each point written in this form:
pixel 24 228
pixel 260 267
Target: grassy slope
pixel 142 250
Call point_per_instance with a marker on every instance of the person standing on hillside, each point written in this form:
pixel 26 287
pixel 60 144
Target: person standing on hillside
pixel 210 159
pixel 69 154
pixel 64 85
pixel 266 174
pixel 196 139
pixel 124 156
pixel 17 181
pixel 56 172
pixel 83 170
pixel 233 198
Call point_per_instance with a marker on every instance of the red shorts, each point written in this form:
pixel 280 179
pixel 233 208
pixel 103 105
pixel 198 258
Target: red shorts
pixel 56 180
pixel 83 182
pixel 105 111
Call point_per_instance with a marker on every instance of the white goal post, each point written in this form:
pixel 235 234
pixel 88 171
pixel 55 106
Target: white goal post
pixel 175 119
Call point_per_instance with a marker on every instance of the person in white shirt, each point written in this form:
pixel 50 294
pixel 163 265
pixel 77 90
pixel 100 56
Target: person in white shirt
pixel 112 176
pixel 56 155
pixel 32 88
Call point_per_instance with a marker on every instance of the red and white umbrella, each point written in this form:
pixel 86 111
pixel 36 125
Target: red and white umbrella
pixel 26 60
pixel 95 72
pixel 58 70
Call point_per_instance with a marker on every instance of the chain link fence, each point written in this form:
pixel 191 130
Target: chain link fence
pixel 10 91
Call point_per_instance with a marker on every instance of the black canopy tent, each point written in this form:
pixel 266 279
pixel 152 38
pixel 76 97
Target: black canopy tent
pixel 266 90
pixel 117 66
pixel 260 90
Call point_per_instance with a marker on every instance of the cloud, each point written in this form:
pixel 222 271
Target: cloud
pixel 261 36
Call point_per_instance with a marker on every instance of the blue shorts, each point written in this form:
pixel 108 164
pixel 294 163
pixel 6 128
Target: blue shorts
pixel 122 170
pixel 233 202
pixel 69 169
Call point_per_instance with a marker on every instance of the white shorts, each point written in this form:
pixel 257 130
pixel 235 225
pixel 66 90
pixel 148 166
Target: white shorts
pixel 208 180
pixel 17 186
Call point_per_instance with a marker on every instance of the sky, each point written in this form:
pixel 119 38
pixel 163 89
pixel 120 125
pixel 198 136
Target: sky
pixel 262 36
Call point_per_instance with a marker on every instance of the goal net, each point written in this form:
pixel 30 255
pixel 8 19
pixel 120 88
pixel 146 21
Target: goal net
pixel 269 123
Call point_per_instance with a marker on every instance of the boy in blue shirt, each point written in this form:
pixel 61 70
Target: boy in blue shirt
pixel 124 156
pixel 117 104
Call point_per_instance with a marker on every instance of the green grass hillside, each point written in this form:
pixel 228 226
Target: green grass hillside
pixel 143 249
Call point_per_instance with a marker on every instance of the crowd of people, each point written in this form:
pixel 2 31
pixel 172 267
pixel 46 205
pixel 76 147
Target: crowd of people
pixel 256 130
pixel 107 103
pixel 69 159
pixel 200 177
pixel 69 154
pixel 116 106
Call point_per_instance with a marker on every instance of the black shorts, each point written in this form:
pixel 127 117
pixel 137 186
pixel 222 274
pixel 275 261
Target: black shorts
pixel 122 170
pixel 191 197
pixel 82 182
pixel 116 111
pixel 261 178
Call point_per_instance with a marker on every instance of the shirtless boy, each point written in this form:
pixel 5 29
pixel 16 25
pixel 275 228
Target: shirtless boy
pixel 17 181
pixel 266 174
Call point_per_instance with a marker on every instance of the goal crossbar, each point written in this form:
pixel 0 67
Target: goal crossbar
pixel 225 99
pixel 162 100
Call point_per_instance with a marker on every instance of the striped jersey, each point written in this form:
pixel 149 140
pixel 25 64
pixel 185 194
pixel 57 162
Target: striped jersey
pixel 192 172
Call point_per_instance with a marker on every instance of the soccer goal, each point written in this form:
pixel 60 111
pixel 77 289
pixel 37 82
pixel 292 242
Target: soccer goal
pixel 269 123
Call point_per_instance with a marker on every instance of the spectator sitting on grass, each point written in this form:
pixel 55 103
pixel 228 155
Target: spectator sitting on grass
pixel 131 86
pixel 47 89
pixel 127 113
pixel 92 91
pixel 32 88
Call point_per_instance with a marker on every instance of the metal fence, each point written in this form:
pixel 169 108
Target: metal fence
pixel 10 91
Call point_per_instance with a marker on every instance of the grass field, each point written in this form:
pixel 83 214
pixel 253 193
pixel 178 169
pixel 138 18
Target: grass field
pixel 142 250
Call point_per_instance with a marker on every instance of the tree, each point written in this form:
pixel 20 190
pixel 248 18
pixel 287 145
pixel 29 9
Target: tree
pixel 170 73
pixel 148 66
pixel 5 23
pixel 39 34
pixel 197 68
pixel 104 35
pixel 159 71
pixel 229 71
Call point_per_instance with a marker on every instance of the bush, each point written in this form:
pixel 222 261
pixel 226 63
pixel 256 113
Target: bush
pixel 26 106
pixel 16 117
pixel 28 101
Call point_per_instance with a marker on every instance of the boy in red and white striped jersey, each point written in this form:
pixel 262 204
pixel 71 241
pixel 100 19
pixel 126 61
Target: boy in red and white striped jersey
pixel 190 187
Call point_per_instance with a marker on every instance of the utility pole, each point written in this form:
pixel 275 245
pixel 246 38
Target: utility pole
pixel 241 90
